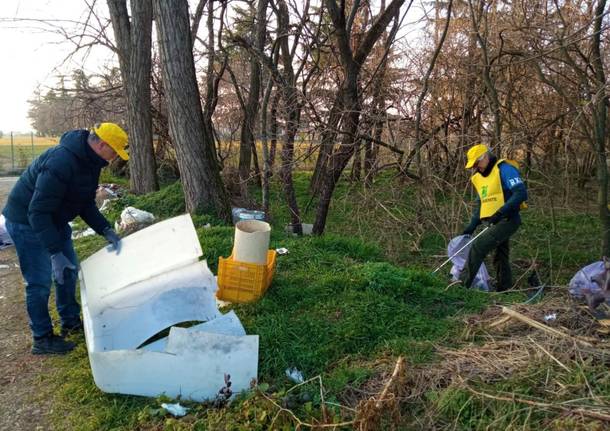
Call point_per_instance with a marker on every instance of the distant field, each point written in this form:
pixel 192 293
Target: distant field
pixel 27 140
pixel 15 159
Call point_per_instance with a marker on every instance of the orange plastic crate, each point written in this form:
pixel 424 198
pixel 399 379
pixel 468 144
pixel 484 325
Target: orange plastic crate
pixel 244 282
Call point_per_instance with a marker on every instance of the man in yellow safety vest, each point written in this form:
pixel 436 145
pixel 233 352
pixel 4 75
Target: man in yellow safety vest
pixel 501 194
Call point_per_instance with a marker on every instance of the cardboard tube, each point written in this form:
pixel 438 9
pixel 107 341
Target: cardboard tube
pixel 251 241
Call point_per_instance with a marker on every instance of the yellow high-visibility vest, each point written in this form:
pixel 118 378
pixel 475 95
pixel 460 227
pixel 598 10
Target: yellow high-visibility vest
pixel 489 189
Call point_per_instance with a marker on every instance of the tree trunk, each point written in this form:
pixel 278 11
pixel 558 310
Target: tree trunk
pixel 273 129
pixel 292 112
pixel 134 47
pixel 203 187
pixel 600 114
pixel 327 143
pixel 351 63
pixel 339 159
pixel 247 141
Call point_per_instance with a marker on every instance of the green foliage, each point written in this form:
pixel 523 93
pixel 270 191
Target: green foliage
pixel 337 303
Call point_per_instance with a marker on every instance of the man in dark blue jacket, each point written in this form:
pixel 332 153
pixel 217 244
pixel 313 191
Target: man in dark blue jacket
pixel 56 188
pixel 500 195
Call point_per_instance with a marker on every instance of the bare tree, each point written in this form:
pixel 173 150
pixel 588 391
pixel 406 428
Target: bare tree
pixel 351 63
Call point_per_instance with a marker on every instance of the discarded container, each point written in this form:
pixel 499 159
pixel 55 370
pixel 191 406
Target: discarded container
pixel 128 299
pixel 307 229
pixel 240 214
pixel 242 281
pixel 251 242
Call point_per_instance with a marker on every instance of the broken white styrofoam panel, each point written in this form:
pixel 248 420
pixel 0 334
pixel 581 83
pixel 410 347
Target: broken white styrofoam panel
pixel 227 324
pixel 194 369
pixel 159 248
pixel 130 316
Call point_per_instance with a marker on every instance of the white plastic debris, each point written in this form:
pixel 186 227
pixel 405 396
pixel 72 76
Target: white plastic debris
pixel 281 251
pixel 83 233
pixel 295 375
pixel 132 217
pixel 5 239
pixel 105 205
pixel 4 267
pixel 550 317
pixel 306 227
pixel 175 409
pixel 130 298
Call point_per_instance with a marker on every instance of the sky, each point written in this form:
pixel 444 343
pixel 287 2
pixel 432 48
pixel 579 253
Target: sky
pixel 30 56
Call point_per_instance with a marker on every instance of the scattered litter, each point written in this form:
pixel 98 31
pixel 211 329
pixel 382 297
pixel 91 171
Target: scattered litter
pixel 224 394
pixel 294 375
pixel 590 284
pixel 281 251
pixel 1 296
pixel 5 239
pixel 105 205
pixel 306 227
pixel 207 226
pixel 4 267
pixel 129 299
pixel 175 409
pixel 83 233
pixel 550 317
pixel 133 219
pixel 241 214
pixel 106 192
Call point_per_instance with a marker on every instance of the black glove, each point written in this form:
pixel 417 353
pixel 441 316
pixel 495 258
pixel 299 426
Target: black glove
pixel 494 219
pixel 468 231
pixel 113 240
pixel 59 262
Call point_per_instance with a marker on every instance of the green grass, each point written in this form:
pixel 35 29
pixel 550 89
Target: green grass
pixel 17 159
pixel 338 303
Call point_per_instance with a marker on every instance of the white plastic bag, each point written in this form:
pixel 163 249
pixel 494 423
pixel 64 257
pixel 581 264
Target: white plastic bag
pixel 131 217
pixel 582 283
pixel 481 280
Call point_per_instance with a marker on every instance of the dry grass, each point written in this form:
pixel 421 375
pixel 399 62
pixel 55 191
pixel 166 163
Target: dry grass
pixel 25 140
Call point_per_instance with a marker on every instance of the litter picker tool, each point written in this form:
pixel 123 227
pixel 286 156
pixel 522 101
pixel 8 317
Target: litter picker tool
pixel 458 252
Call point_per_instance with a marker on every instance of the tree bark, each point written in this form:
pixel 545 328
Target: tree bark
pixel 600 114
pixel 134 48
pixel 195 153
pixel 292 112
pixel 247 141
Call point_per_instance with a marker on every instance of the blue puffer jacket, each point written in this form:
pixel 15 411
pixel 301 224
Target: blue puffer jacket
pixel 58 186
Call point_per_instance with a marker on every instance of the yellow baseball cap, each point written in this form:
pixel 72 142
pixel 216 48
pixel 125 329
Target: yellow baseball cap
pixel 114 136
pixel 474 153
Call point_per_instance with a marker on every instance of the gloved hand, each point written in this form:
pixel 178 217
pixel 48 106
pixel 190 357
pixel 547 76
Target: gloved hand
pixel 113 240
pixel 468 231
pixel 494 219
pixel 59 262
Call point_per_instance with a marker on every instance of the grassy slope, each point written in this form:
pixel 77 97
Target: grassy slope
pixel 337 306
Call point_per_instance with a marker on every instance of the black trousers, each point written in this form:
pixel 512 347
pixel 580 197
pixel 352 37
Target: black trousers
pixel 495 238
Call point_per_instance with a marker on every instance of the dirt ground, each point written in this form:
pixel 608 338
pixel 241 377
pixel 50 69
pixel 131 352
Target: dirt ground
pixel 20 408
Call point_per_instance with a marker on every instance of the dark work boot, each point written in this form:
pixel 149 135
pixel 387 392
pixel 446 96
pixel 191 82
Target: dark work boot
pixel 71 329
pixel 51 345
